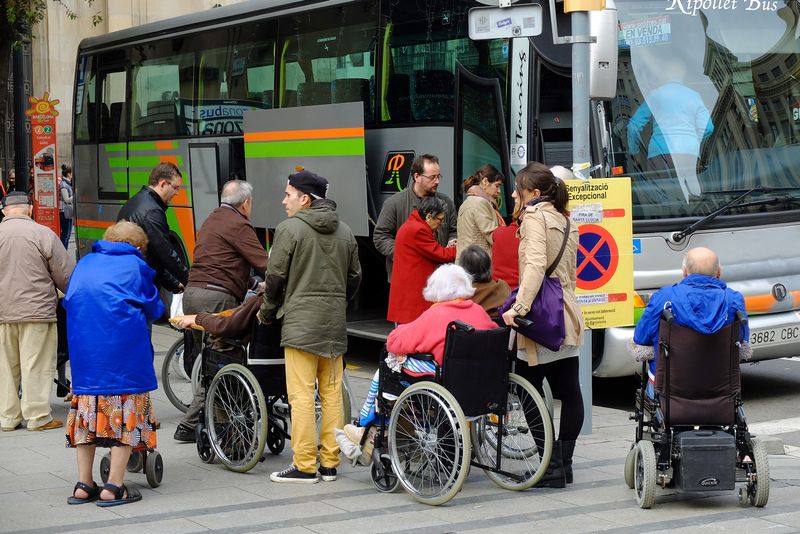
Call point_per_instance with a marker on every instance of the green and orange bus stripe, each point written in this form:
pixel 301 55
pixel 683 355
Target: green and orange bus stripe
pixel 298 143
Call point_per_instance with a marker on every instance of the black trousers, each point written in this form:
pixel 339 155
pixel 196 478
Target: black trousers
pixel 562 375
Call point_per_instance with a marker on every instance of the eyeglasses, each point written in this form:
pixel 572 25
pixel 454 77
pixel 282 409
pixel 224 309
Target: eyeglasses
pixel 173 186
pixel 439 217
pixel 432 178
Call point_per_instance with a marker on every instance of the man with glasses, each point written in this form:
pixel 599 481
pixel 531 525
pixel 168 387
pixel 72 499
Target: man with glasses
pixel 148 209
pixel 426 175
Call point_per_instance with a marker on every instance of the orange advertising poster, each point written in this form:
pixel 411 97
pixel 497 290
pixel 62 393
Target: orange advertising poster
pixel 43 115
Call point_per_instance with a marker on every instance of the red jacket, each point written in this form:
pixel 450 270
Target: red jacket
pixel 416 255
pixel 505 254
pixel 428 331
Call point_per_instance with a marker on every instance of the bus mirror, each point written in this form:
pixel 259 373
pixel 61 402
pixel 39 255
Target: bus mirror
pixel 505 22
pixel 604 53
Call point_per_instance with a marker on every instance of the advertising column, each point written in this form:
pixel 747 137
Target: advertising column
pixel 45 181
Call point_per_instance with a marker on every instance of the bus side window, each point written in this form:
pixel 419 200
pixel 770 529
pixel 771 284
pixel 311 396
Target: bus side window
pixel 330 58
pixel 161 86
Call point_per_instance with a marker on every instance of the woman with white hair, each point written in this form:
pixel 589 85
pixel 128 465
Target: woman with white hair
pixel 450 289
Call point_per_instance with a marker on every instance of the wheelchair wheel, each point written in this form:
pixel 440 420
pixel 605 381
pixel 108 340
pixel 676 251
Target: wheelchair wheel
pixel 428 443
pixel 177 384
pixel 628 471
pixel 275 438
pixel 383 477
pixel 758 491
pixel 645 474
pixel 203 444
pixel 236 418
pixel 527 439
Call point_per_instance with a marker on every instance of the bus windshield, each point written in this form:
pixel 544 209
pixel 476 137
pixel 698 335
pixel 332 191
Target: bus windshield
pixel 707 105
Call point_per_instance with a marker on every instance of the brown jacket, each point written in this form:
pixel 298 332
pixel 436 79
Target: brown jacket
pixel 232 324
pixel 226 248
pixel 34 264
pixel 490 295
pixel 541 234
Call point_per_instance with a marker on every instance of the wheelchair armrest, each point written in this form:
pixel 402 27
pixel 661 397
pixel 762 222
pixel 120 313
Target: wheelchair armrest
pixel 460 325
pixel 424 356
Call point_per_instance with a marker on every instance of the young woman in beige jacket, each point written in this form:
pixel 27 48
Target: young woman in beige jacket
pixel 543 220
pixel 478 216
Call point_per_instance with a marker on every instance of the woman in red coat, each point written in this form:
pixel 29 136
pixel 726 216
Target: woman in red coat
pixel 416 255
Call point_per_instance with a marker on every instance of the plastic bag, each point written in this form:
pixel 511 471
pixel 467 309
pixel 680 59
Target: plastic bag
pixel 176 306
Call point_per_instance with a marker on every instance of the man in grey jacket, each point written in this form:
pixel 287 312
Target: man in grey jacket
pixel 34 265
pixel 313 272
pixel 426 175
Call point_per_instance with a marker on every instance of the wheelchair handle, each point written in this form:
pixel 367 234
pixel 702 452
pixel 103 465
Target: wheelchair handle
pixel 522 321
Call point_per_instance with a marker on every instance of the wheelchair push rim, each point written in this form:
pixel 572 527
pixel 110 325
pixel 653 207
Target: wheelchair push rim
pixel 428 442
pixel 236 418
pixel 527 438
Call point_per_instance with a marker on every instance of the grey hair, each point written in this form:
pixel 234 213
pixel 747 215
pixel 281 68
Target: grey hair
pixel 448 282
pixel 477 263
pixel 235 192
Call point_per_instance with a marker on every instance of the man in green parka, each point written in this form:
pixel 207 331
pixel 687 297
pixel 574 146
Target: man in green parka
pixel 313 272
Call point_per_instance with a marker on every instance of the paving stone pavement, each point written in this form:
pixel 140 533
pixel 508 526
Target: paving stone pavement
pixel 37 473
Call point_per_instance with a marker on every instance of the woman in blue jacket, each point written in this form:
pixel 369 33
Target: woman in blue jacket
pixel 111 301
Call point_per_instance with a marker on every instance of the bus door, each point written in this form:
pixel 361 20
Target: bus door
pixel 112 154
pixel 480 132
pixel 206 180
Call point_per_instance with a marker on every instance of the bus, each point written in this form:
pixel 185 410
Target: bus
pixel 177 90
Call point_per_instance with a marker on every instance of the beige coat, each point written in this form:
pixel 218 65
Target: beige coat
pixel 477 219
pixel 541 235
pixel 34 263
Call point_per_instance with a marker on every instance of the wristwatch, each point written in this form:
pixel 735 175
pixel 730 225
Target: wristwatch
pixel 520 308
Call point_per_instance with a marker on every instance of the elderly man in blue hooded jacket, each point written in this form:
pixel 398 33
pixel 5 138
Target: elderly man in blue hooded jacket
pixel 701 301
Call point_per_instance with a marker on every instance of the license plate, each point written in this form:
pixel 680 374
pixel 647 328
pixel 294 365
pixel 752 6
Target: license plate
pixel 774 336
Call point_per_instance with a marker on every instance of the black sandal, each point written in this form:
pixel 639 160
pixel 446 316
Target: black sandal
pixel 92 492
pixel 119 491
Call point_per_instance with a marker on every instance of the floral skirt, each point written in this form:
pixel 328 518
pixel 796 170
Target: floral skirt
pixel 111 421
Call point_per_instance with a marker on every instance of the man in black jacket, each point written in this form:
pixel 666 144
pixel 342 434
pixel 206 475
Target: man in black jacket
pixel 148 209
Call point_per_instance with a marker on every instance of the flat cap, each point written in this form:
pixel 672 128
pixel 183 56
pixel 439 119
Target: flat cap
pixel 14 198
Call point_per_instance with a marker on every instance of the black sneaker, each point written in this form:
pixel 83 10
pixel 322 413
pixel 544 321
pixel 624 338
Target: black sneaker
pixel 185 433
pixel 328 474
pixel 293 474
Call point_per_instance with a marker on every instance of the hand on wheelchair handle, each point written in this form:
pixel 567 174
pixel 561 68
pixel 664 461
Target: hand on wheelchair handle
pixel 522 321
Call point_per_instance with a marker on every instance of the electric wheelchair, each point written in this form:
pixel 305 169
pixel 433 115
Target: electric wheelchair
pixel 692 435
pixel 246 407
pixel 474 412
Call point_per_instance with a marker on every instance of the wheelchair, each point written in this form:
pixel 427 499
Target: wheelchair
pixel 246 408
pixel 693 434
pixel 474 412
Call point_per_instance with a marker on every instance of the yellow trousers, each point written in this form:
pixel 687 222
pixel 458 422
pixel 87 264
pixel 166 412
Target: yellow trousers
pixel 27 358
pixel 304 371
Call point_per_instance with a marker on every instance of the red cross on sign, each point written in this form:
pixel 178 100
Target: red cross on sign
pixel 598 257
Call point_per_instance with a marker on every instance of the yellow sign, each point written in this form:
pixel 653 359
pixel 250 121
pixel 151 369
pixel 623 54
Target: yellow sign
pixel 602 210
pixel 584 5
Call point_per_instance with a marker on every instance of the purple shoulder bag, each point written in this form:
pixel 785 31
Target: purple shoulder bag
pixel 546 317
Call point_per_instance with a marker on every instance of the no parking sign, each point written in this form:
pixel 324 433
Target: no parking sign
pixel 602 210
